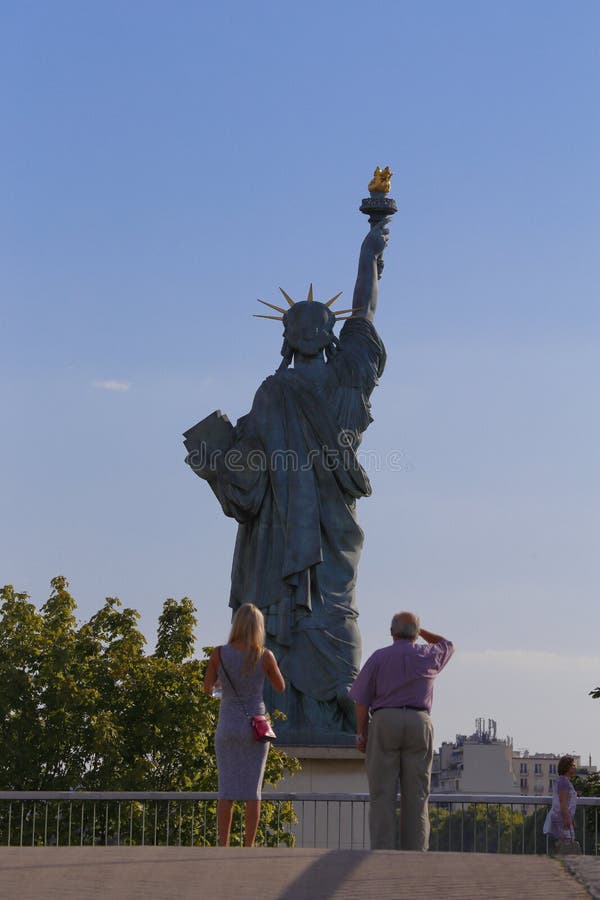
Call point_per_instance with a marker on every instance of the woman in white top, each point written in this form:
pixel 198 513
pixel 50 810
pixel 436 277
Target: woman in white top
pixel 560 820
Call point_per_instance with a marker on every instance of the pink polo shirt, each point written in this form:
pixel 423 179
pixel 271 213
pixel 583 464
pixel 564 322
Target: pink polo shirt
pixel 401 675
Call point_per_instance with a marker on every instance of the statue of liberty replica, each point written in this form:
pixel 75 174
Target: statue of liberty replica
pixel 288 473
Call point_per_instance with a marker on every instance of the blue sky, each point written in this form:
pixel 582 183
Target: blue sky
pixel 162 165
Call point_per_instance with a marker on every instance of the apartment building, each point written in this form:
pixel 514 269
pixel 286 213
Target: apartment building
pixel 537 772
pixel 481 763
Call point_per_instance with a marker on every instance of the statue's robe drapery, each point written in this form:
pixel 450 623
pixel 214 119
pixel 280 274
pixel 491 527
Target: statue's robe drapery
pixel 291 480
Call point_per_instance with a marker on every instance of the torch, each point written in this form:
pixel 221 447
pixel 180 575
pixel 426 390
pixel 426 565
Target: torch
pixel 378 205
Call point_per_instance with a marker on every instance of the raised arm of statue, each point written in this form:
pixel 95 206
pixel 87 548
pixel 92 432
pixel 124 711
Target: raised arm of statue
pixel 364 300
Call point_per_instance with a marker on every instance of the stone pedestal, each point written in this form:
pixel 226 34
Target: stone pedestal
pixel 331 823
pixel 326 770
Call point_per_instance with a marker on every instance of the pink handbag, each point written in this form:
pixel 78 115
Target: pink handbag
pixel 262 729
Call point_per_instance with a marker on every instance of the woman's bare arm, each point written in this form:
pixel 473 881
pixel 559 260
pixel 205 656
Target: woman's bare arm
pixel 563 796
pixel 212 671
pixel 271 670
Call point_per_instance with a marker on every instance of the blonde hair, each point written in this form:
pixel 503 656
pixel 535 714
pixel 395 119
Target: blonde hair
pixel 248 627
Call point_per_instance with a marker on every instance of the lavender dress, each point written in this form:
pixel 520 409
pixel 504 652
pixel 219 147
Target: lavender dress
pixel 241 760
pixel 554 824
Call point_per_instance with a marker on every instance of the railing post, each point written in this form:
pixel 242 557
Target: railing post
pixel 487 815
pixel 499 832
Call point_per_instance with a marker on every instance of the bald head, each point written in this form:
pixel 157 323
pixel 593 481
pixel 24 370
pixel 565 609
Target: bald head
pixel 405 625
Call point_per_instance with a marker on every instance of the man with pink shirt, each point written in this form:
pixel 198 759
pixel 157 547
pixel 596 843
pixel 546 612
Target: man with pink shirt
pixel 396 687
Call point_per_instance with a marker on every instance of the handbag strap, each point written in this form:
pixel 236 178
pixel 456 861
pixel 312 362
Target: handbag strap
pixel 221 663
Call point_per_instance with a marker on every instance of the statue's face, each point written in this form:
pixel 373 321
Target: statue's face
pixel 308 327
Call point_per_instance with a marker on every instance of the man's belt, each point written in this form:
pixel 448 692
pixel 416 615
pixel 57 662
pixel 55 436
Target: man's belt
pixel 417 708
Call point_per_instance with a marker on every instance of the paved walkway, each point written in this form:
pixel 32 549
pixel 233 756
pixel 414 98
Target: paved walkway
pixel 169 873
pixel 587 870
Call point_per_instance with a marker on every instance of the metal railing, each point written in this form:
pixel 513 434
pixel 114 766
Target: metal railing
pixel 459 822
pixel 505 823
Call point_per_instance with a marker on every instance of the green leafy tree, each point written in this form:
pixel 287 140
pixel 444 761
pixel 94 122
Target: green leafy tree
pixel 20 650
pixel 84 706
pixel 63 693
pixel 589 786
pixel 479 827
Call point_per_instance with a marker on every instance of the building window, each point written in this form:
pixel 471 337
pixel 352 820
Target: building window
pixel 524 784
pixel 552 768
pixel 551 784
pixel 523 769
pixel 538 768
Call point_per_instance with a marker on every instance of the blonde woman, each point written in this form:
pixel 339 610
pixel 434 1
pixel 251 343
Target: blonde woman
pixel 241 667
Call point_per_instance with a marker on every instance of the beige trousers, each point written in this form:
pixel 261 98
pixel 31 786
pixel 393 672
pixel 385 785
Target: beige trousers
pixel 399 748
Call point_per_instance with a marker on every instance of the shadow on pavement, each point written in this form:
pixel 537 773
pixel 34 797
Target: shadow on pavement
pixel 325 875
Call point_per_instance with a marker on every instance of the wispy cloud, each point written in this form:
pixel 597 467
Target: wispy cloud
pixel 118 386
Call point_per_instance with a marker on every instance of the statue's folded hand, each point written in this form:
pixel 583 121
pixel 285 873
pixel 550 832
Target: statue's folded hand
pixel 376 240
